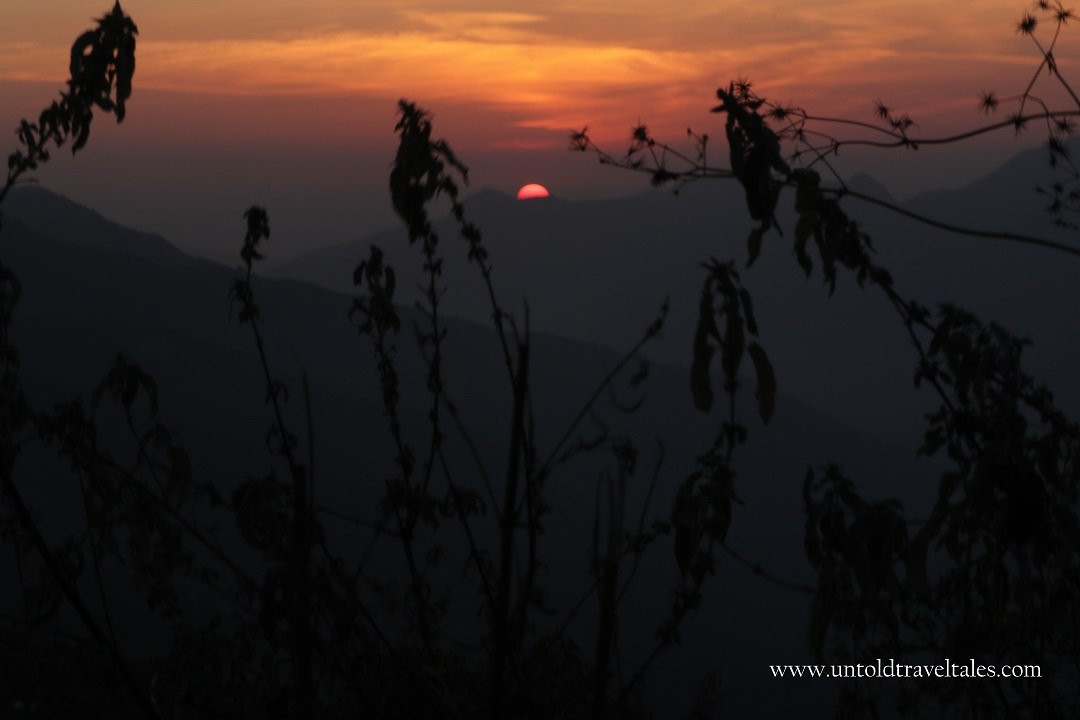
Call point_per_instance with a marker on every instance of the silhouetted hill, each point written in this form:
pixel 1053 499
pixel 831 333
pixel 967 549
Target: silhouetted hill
pixel 109 290
pixel 54 215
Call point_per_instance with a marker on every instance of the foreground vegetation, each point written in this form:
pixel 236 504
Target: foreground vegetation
pixel 299 629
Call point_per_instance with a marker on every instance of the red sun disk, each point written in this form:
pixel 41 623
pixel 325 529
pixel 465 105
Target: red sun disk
pixel 532 191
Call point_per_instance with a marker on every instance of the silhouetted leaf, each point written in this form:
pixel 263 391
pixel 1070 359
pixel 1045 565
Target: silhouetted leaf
pixel 753 243
pixel 700 381
pixel 391 282
pixel 733 346
pixel 261 507
pixel 684 548
pixel 747 305
pixel 766 381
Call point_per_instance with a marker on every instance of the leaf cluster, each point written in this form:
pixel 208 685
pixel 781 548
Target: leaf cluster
pixel 102 66
pixel 992 572
pixel 736 315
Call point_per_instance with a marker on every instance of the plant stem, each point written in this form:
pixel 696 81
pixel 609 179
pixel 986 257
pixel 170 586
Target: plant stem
pixel 507 520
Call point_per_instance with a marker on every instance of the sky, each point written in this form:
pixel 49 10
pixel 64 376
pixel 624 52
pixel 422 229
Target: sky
pixel 290 103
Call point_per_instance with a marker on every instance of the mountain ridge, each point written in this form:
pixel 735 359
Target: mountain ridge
pixel 598 270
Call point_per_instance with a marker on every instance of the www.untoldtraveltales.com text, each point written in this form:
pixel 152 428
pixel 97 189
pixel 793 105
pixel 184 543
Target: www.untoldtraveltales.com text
pixel 892 669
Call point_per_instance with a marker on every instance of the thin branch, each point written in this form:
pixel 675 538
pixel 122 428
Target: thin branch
pixel 956 229
pixel 72 594
pixel 764 574
pixel 650 334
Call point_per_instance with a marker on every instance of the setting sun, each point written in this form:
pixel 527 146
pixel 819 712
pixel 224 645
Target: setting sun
pixel 532 191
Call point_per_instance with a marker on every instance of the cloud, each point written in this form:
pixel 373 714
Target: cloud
pixel 565 64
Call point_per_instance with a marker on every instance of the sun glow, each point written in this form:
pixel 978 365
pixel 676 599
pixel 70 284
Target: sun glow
pixel 532 191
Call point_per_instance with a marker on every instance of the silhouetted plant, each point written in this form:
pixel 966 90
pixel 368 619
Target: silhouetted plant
pixel 524 668
pixel 102 65
pixel 992 573
pixel 996 559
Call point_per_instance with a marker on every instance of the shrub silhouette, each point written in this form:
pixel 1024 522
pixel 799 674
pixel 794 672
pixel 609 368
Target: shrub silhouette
pixel 300 627
pixel 997 558
pixel 991 573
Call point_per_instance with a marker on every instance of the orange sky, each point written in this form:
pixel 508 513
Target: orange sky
pixel 509 78
pixel 558 64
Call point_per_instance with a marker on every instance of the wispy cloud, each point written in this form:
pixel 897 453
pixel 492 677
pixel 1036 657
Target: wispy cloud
pixel 566 63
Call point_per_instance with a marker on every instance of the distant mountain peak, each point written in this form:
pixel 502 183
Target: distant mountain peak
pixel 58 217
pixel 488 195
pixel 867 185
